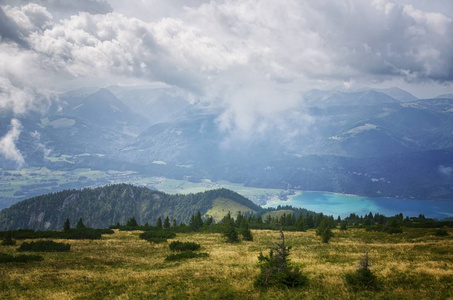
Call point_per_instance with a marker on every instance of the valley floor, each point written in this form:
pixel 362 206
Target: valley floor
pixel 413 265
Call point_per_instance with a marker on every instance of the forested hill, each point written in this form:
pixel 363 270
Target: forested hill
pixel 105 206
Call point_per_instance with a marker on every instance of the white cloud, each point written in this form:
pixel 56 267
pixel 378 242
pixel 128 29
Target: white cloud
pixel 252 57
pixel 30 17
pixel 8 144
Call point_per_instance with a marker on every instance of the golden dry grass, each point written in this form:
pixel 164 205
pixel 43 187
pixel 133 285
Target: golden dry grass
pixel 412 265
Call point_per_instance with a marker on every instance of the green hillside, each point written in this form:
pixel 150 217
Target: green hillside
pixel 104 206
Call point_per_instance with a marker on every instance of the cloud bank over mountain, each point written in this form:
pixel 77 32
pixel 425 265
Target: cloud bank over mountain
pixel 252 58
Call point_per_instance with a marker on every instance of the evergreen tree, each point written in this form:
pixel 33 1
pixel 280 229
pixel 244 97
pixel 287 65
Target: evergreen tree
pixel 239 218
pixel 393 226
pixel 167 222
pixel 276 269
pixel 227 218
pixel 322 226
pixel 66 225
pixel 259 220
pixel 245 231
pixel 230 232
pixel 196 222
pixel 324 230
pixel 174 224
pixel 132 222
pixel 363 278
pixel 344 225
pixel 159 223
pixel 326 235
pixel 301 224
pixel 209 221
pixel 80 224
pixel 310 222
pixel 8 239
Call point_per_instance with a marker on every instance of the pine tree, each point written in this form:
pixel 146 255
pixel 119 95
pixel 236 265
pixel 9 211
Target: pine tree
pixel 80 224
pixel 363 278
pixel 310 222
pixel 196 222
pixel 66 225
pixel 174 224
pixel 326 235
pixel 324 231
pixel 230 232
pixel 159 223
pixel 301 224
pixel 132 222
pixel 167 222
pixel 245 231
pixel 276 269
pixel 209 221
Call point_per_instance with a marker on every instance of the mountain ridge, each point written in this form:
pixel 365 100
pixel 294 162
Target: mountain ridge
pixel 104 206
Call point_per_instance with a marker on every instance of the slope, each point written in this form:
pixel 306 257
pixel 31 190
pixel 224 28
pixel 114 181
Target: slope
pixel 104 206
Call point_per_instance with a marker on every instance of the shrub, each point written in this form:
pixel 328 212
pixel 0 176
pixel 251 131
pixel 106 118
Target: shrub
pixel 276 270
pixel 363 278
pixel 44 246
pixel 7 258
pixel 157 236
pixel 441 232
pixel 393 227
pixel 8 240
pixel 184 246
pixel 185 255
pixel 73 234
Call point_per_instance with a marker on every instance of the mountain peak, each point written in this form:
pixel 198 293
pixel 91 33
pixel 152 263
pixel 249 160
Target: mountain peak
pixel 102 94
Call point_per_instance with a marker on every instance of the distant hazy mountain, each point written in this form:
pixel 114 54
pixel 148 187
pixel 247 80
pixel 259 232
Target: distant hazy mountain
pixel 105 206
pixel 156 104
pixel 398 94
pixel 367 133
pixel 324 99
pixel 445 96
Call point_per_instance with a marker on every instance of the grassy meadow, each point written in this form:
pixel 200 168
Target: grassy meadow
pixel 413 265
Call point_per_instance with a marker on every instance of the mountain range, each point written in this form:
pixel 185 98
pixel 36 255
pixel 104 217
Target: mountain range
pixel 369 142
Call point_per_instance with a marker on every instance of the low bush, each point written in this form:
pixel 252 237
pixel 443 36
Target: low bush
pixel 184 246
pixel 157 236
pixel 44 246
pixel 185 255
pixel 70 234
pixel 441 232
pixel 7 258
pixel 8 240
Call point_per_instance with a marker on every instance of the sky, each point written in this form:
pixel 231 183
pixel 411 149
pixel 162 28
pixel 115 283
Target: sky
pixel 254 58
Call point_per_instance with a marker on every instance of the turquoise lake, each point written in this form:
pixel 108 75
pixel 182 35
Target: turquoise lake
pixel 342 205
